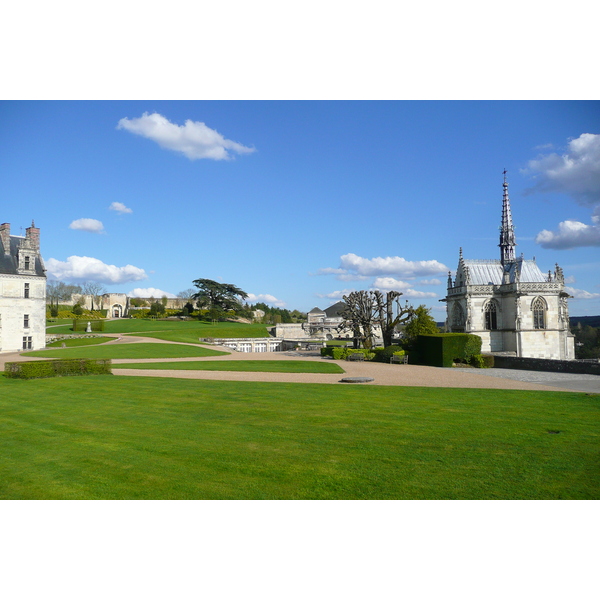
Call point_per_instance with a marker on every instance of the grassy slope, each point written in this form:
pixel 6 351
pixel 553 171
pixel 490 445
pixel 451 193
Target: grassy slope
pixel 114 437
pixel 263 366
pixel 80 342
pixel 184 331
pixel 128 351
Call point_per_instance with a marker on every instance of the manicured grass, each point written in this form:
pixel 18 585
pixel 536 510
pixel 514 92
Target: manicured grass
pixel 106 437
pixel 128 351
pixel 70 342
pixel 262 366
pixel 177 331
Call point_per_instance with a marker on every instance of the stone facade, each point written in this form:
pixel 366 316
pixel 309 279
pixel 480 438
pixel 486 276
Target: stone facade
pixel 510 303
pixel 22 291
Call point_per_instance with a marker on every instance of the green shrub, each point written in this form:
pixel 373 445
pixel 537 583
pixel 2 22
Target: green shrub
pixel 57 368
pixel 488 361
pixel 385 354
pixel 442 349
pixel 476 361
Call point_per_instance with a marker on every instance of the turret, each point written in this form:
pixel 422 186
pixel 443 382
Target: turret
pixel 507 231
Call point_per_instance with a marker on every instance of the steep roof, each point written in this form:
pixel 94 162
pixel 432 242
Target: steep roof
pixel 9 262
pixel 490 272
pixel 335 310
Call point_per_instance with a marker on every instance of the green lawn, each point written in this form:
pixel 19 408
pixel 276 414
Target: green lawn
pixel 70 342
pixel 128 351
pixel 262 366
pixel 107 437
pixel 176 331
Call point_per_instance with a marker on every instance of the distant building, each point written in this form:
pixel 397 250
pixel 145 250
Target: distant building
pixel 509 302
pixel 22 291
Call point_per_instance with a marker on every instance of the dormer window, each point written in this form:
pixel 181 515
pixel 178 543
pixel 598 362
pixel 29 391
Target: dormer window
pixel 27 263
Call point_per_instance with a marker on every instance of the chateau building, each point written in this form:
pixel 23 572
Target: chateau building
pixel 509 302
pixel 22 291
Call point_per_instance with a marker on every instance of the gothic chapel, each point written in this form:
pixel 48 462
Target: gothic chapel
pixel 509 302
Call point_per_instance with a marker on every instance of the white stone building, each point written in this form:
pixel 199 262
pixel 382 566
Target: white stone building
pixel 509 302
pixel 22 291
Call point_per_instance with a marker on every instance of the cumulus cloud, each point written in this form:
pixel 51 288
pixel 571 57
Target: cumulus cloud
pixel 385 284
pixel 337 295
pixel 120 208
pixel 576 172
pixel 91 225
pixel 570 234
pixel 85 268
pixel 266 299
pixel 194 139
pixel 430 282
pixel 580 294
pixel 149 293
pixel 390 265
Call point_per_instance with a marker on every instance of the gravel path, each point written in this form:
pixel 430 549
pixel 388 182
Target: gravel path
pixel 383 374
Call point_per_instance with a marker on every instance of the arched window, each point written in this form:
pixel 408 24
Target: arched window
pixel 458 317
pixel 538 307
pixel 491 315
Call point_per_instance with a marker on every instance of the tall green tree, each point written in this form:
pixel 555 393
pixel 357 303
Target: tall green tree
pixel 218 298
pixel 420 323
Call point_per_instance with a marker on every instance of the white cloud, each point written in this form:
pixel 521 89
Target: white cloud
pixel 85 268
pixel 430 282
pixel 580 294
pixel 265 299
pixel 570 234
pixel 149 293
pixel 91 225
pixel 389 283
pixel 337 295
pixel 194 139
pixel 576 173
pixel 391 265
pixel 120 208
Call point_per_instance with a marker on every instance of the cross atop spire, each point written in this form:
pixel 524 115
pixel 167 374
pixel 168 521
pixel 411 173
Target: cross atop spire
pixel 507 230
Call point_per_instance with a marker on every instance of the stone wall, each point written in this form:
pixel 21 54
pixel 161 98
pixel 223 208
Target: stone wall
pixel 546 364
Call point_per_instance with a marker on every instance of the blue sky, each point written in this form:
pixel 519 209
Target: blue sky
pixel 298 202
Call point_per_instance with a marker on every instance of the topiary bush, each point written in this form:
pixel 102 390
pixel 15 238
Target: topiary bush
pixel 442 349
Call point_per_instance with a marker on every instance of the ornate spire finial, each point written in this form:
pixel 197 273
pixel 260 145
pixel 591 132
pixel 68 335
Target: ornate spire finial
pixel 507 231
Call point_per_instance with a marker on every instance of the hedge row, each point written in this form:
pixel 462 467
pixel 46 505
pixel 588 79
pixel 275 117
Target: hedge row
pixel 338 353
pixel 81 324
pixel 442 349
pixel 57 368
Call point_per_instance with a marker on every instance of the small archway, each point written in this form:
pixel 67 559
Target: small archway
pixel 116 311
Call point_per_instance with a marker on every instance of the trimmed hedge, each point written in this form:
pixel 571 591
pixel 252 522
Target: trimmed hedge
pixel 338 353
pixel 442 349
pixel 37 369
pixel 81 324
pixel 385 354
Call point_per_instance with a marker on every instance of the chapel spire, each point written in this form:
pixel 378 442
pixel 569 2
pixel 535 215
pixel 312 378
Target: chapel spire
pixel 507 231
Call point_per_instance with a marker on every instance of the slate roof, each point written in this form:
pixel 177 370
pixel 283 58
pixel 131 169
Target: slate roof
pixel 489 272
pixel 335 310
pixel 9 263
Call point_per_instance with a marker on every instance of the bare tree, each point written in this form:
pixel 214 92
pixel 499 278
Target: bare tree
pixel 358 316
pixel 185 296
pixel 95 290
pixel 385 312
pixel 365 310
pixel 59 291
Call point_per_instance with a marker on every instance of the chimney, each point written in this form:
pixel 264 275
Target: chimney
pixel 33 235
pixel 5 237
